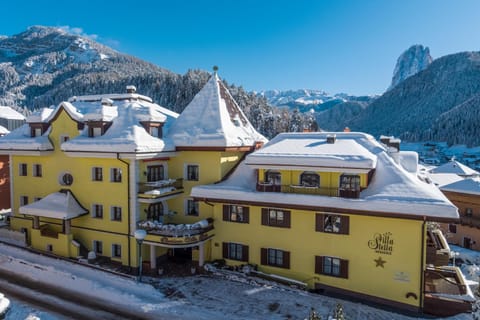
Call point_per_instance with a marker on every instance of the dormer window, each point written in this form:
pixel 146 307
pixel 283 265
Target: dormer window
pixel 153 128
pixel 97 128
pixel 310 179
pixel 37 129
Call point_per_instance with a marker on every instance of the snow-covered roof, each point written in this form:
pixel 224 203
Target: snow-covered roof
pixel 3 131
pixel 442 179
pixel 469 186
pixel 312 150
pixel 58 205
pixel 40 116
pixel 213 119
pixel 9 113
pixel 21 139
pixel 126 133
pixel 392 190
pixel 455 167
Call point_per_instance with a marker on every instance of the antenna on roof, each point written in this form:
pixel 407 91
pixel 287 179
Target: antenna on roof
pixel 215 69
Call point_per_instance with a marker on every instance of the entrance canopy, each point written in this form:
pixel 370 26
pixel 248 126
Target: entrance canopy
pixel 59 205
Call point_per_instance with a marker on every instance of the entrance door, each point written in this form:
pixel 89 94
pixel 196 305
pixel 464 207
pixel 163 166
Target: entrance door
pixel 467 243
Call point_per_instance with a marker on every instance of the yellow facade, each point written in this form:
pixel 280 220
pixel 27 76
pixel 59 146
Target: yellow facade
pixel 398 275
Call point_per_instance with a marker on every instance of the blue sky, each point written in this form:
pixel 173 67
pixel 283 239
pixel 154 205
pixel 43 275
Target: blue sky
pixel 337 46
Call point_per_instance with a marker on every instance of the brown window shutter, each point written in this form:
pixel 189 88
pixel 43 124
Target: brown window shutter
pixel 245 253
pixel 246 214
pixel 226 212
pixel 265 216
pixel 319 264
pixel 344 224
pixel 225 250
pixel 287 221
pixel 319 222
pixel 344 269
pixel 264 256
pixel 286 259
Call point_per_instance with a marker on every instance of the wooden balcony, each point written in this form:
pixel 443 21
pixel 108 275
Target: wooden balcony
pixel 160 189
pixel 321 191
pixel 171 235
pixel 471 221
pixel 446 293
pixel 438 252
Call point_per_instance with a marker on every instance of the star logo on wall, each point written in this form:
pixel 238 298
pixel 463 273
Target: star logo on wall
pixel 379 262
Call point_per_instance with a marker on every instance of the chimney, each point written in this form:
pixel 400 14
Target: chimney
pixel 331 138
pixel 107 102
pixel 131 89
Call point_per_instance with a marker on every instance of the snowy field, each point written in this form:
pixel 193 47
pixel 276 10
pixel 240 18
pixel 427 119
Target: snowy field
pixel 219 295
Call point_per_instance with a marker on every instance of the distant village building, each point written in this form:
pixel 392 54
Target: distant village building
pixel 337 212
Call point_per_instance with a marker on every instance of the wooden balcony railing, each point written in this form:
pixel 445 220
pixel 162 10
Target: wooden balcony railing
pixel 331 192
pixel 471 221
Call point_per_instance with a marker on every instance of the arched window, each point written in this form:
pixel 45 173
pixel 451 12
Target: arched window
pixel 309 179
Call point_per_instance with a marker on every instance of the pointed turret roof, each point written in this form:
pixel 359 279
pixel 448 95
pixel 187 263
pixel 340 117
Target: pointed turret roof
pixel 213 120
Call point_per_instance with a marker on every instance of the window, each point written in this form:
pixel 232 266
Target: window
pixel 22 168
pixel 332 223
pixel 468 212
pixel 275 258
pixel 97 211
pixel 349 186
pixel 273 177
pixel 155 131
pixel 98 247
pixel 155 211
pixel 37 199
pixel 235 251
pixel 116 213
pixel 116 251
pixel 97 174
pixel 66 179
pixel 452 228
pixel 192 172
pixel 37 132
pixel 275 218
pixel 331 266
pixel 155 173
pixel 94 131
pixel 235 213
pixel 23 200
pixel 350 182
pixel 192 208
pixel 309 179
pixel 37 170
pixel 116 175
pixel 64 138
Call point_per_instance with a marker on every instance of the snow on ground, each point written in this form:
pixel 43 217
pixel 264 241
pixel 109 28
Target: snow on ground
pixel 220 294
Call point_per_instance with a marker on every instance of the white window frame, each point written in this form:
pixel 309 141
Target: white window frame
pixel 197 207
pixel 114 255
pixel 185 173
pixel 97 244
pixel 113 177
pixel 95 211
pixel 37 170
pixel 112 213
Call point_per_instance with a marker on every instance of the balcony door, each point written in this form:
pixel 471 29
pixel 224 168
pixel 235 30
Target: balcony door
pixel 349 186
pixel 274 179
pixel 155 173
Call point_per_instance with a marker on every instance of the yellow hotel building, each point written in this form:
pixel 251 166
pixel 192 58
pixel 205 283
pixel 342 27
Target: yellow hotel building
pixel 335 212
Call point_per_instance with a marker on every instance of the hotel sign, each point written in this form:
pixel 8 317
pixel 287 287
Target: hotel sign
pixel 382 243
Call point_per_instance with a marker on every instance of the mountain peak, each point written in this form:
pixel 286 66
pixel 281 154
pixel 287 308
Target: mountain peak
pixel 411 61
